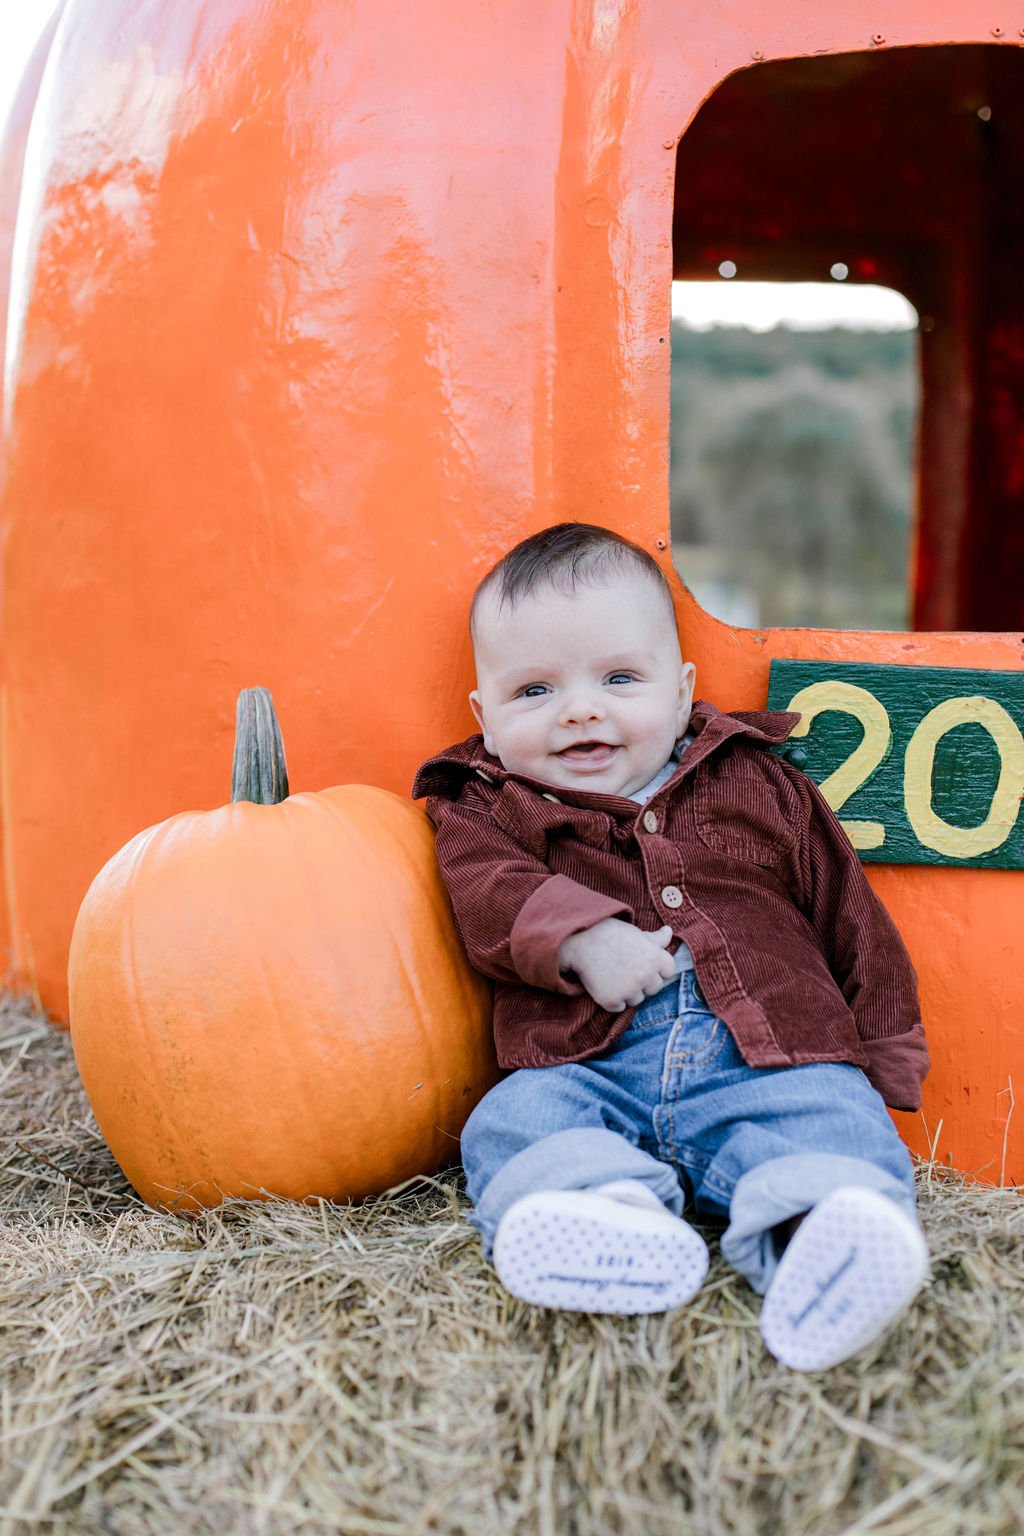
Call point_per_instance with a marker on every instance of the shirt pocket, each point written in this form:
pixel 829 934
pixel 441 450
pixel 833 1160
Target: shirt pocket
pixel 540 822
pixel 740 812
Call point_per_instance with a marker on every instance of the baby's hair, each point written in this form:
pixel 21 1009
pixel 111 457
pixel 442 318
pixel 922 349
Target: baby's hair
pixel 563 557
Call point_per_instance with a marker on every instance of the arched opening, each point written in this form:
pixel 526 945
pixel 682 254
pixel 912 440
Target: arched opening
pixel 901 165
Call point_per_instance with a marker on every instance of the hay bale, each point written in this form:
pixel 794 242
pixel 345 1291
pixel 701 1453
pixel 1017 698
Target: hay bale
pixel 270 1369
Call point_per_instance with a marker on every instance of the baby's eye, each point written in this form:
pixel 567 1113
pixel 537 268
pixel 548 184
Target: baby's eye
pixel 622 677
pixel 533 691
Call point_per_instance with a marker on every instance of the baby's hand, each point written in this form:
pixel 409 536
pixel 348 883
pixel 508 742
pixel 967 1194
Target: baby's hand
pixel 617 963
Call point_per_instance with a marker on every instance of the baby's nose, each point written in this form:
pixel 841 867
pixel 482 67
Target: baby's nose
pixel 581 706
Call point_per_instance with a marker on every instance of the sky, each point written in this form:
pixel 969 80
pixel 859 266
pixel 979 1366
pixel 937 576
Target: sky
pixel 727 300
pixel 804 306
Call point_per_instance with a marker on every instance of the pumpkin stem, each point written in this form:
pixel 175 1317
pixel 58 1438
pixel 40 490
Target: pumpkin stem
pixel 259 772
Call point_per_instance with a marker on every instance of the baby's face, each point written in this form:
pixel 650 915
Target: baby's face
pixel 585 690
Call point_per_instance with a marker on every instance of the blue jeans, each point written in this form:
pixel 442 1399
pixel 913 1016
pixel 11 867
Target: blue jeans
pixel 674 1105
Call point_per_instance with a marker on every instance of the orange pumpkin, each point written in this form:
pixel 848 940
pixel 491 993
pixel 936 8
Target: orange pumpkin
pixel 270 998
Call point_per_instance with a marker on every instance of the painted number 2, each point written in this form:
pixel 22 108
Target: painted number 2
pixel 929 828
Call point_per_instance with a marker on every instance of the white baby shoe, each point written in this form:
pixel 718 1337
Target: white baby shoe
pixel 614 1248
pixel 852 1266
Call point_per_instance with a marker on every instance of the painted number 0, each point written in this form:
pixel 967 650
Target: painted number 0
pixel 929 828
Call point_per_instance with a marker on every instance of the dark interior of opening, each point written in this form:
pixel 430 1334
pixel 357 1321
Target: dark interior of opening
pixel 904 164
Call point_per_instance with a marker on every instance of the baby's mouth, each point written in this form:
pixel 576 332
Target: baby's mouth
pixel 594 752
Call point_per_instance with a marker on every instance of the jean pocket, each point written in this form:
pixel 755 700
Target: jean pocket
pixel 661 1009
pixel 697 1040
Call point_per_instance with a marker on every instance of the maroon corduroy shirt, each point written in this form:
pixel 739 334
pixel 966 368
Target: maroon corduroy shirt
pixel 738 852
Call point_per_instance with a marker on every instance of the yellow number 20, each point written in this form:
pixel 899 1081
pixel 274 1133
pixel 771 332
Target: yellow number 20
pixel 929 828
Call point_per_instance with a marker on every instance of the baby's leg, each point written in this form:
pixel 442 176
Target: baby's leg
pixel 553 1128
pixel 569 1197
pixel 816 1142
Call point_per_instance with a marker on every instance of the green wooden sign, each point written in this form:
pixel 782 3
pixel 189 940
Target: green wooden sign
pixel 922 765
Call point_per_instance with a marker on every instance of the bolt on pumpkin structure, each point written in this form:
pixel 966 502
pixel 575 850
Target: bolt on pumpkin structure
pixel 303 334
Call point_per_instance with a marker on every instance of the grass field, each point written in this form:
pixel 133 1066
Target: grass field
pixel 275 1368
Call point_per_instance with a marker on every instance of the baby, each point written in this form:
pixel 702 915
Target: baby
pixel 703 1001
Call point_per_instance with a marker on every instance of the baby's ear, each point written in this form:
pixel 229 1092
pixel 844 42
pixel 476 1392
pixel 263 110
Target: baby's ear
pixel 686 684
pixel 476 705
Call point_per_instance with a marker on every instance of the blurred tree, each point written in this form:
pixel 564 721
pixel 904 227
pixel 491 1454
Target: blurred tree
pixel 792 473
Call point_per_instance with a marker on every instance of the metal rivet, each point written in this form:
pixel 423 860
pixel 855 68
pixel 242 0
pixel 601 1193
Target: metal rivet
pixel 757 56
pixel 878 38
pixel 669 143
pixel 661 543
pixel 997 31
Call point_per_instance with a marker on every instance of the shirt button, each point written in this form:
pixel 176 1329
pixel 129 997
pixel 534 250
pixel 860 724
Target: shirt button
pixel 672 896
pixel 650 822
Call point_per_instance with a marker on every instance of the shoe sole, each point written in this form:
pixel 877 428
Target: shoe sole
pixel 580 1252
pixel 853 1265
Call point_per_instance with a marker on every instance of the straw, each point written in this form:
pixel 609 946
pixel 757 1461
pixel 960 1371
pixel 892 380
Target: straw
pixel 271 1368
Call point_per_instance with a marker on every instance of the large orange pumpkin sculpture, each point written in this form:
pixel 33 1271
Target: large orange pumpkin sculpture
pixel 270 998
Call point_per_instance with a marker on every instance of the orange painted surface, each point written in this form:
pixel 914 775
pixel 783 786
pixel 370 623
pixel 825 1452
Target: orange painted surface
pixel 312 333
